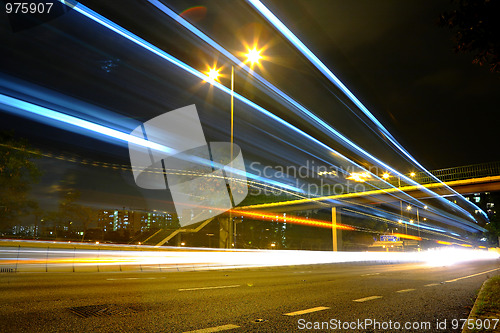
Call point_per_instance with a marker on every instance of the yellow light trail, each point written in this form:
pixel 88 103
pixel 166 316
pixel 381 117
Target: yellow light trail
pixel 291 219
pixel 374 192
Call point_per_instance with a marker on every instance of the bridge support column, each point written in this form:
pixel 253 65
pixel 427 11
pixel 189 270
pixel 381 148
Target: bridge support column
pixel 336 233
pixel 225 233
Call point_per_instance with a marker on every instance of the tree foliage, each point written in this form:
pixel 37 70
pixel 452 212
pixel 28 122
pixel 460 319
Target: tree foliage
pixel 476 26
pixel 18 172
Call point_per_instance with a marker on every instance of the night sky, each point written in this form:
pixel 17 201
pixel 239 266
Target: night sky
pixel 401 65
pixel 391 54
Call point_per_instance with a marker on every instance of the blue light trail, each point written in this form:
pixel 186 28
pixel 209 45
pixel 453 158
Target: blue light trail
pixel 123 32
pixel 326 71
pixel 309 115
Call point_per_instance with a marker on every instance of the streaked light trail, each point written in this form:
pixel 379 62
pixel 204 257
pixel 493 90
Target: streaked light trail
pixel 71 120
pixel 329 74
pixel 290 219
pixel 122 136
pixel 73 258
pixel 303 111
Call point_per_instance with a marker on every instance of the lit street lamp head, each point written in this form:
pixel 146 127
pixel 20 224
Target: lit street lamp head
pixel 253 56
pixel 213 75
pixel 359 177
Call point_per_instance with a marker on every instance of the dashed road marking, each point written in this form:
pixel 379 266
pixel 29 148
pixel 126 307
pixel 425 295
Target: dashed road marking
pixel 208 288
pixel 296 313
pixel 431 285
pixel 370 274
pixel 214 329
pixel 370 298
pixel 135 278
pixel 405 290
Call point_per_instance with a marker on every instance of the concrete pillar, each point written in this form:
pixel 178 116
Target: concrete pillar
pixel 336 233
pixel 225 233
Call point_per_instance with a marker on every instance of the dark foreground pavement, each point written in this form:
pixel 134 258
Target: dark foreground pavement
pixel 286 299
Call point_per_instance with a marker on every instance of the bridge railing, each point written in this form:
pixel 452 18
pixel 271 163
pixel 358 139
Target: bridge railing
pixel 459 173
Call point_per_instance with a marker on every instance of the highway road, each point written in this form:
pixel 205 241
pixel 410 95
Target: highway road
pixel 284 299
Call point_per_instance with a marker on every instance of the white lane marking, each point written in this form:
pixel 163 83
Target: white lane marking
pixel 214 329
pixel 207 288
pixel 366 299
pixel 370 274
pixel 469 276
pixel 133 278
pixel 405 290
pixel 431 285
pixel 296 313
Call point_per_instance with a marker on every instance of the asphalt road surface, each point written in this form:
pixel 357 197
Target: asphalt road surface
pixel 286 299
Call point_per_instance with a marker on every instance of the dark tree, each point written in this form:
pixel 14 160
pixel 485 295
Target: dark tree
pixel 476 28
pixel 17 173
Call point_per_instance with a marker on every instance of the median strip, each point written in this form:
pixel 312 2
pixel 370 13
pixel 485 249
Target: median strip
pixel 296 313
pixel 371 298
pixel 208 288
pixel 214 329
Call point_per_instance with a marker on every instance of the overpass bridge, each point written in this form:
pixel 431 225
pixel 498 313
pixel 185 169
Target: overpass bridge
pixel 464 180
pixel 391 195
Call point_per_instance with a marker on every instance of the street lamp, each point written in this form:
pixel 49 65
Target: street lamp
pixel 386 176
pixel 359 177
pixel 213 75
pixel 253 57
pixel 210 239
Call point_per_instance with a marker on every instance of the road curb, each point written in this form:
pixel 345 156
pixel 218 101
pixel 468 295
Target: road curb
pixel 472 315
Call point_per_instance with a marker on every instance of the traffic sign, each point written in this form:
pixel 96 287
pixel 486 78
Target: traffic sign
pixel 389 238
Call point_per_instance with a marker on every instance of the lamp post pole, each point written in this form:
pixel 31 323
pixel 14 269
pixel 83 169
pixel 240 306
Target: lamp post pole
pixel 232 225
pixel 253 56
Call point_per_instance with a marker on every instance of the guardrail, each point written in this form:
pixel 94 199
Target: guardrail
pixel 460 173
